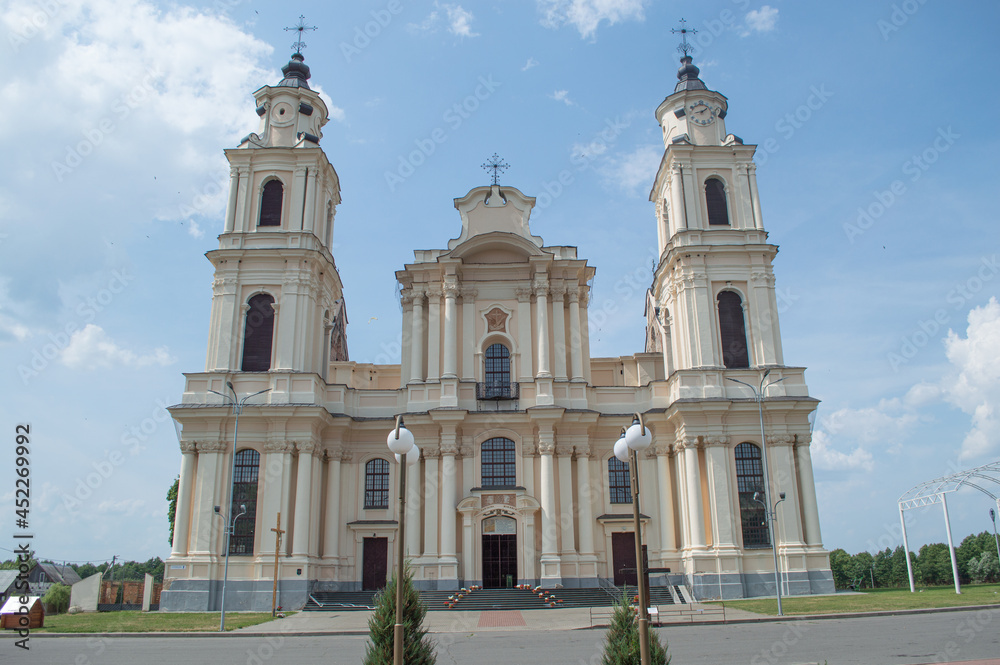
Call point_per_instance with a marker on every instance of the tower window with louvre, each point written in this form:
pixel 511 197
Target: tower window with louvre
pixel 270 203
pixel 715 202
pixel 258 334
pixel 732 328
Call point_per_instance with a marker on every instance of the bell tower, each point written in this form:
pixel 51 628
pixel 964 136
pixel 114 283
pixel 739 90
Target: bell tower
pixel 277 297
pixel 712 303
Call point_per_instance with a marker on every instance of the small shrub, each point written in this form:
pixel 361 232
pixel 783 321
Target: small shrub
pixel 621 642
pixel 418 649
pixel 56 599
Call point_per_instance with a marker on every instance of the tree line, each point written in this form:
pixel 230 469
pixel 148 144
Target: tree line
pixel 976 557
pixel 121 571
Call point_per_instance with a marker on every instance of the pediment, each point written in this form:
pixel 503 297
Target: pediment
pixel 496 247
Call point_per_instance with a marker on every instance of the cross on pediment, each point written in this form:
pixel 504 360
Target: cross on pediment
pixel 497 165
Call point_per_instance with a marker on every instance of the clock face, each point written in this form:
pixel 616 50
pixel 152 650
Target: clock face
pixel 701 113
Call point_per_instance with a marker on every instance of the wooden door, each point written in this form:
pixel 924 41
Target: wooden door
pixel 623 558
pixel 375 560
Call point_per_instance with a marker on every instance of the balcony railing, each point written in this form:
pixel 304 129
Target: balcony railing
pixel 498 391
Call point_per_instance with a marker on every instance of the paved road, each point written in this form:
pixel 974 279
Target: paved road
pixel 926 638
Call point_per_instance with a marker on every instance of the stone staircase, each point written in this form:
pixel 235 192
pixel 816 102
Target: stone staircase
pixel 494 599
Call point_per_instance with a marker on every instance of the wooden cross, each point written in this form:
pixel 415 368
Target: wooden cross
pixel 277 548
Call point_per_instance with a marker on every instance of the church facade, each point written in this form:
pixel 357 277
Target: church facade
pixel 515 481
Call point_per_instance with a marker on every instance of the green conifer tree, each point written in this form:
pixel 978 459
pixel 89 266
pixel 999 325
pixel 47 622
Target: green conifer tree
pixel 418 649
pixel 621 643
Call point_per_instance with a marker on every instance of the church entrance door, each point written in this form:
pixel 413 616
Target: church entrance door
pixel 374 563
pixel 499 552
pixel 623 558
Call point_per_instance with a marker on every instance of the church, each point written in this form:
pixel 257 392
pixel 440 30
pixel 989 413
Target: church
pixel 515 480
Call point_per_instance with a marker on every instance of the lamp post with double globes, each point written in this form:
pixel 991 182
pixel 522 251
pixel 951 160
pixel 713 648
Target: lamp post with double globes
pixel 634 439
pixel 401 443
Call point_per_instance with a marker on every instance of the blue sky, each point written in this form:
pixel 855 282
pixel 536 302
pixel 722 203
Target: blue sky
pixel 876 174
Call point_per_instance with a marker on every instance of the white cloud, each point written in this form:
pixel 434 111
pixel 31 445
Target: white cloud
pixel 586 15
pixel 125 507
pixel 91 348
pixel 825 457
pixel 973 384
pixel 530 64
pixel 562 96
pixel 458 18
pixel 634 171
pixel 764 19
pixel 459 21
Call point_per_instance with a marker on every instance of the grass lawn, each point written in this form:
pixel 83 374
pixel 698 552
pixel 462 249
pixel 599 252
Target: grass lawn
pixel 875 600
pixel 148 622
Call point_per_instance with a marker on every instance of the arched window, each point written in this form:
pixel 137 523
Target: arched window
pixel 499 467
pixel 258 334
pixel 715 201
pixel 376 484
pixel 246 470
pixel 270 204
pixel 497 374
pixel 750 481
pixel 619 481
pixel 734 334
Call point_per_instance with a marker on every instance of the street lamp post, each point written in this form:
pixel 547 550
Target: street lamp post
pixel 634 439
pixel 771 515
pixel 993 516
pixel 400 441
pixel 238 405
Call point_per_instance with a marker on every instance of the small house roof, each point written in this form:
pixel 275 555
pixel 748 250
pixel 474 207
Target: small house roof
pixel 13 604
pixel 60 573
pixel 7 578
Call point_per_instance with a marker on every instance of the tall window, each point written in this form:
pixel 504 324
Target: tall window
pixel 246 470
pixel 258 334
pixel 734 335
pixel 377 484
pixel 750 480
pixel 619 481
pixel 497 373
pixel 270 204
pixel 498 463
pixel 715 201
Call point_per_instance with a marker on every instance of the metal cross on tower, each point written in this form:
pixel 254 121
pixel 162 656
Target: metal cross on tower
pixel 497 165
pixel 684 30
pixel 300 28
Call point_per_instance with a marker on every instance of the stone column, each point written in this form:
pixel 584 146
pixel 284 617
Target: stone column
pixel 204 531
pixel 295 197
pixel 431 509
pixel 807 485
pixel 414 504
pixel 677 198
pixel 782 472
pixel 585 494
pixel 312 189
pixel 417 338
pixel 468 561
pixel 559 331
pixel 752 174
pixel 285 500
pixel 433 332
pixel 566 512
pixel 331 528
pixel 696 514
pixel 285 328
pixel 575 338
pixel 315 505
pixel 450 331
pixel 550 520
pixel 469 339
pixel 668 541
pixel 303 499
pixel 182 518
pixel 524 342
pixel 449 493
pixel 717 449
pixel 542 307
pixel 406 339
pixel 234 188
pixel 271 474
pixel 244 204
